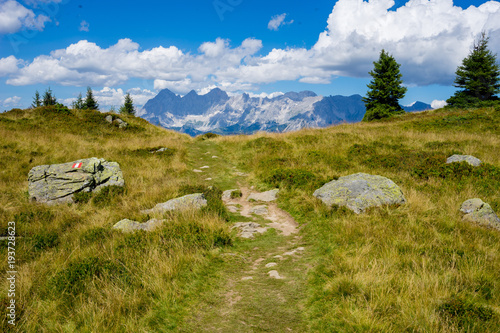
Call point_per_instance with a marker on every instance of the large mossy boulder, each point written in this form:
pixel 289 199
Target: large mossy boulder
pixel 58 182
pixel 360 191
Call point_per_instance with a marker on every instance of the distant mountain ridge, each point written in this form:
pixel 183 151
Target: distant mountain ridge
pixel 220 113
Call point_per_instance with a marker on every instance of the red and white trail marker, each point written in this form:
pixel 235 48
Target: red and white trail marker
pixel 77 165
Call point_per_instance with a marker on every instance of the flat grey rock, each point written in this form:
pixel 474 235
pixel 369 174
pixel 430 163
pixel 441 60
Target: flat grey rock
pixel 477 211
pixel 190 201
pixel 360 191
pixel 267 196
pixel 127 225
pixel 464 158
pixel 275 275
pixel 259 210
pixel 248 229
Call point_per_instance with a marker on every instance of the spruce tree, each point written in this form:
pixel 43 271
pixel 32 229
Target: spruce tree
pixel 478 77
pixel 90 102
pixel 128 106
pixel 36 100
pixel 48 98
pixel 78 104
pixel 385 90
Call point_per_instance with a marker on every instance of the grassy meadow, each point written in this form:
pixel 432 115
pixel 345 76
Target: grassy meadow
pixel 412 268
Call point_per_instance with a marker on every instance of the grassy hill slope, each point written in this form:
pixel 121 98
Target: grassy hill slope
pixel 415 268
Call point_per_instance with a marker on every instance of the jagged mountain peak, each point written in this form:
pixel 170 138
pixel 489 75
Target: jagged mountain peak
pixel 241 114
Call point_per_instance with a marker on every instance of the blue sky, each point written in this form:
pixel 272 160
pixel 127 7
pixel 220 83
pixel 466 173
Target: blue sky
pixel 255 46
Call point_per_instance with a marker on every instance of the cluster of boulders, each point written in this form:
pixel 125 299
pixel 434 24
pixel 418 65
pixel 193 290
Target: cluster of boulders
pixel 361 191
pixel 115 120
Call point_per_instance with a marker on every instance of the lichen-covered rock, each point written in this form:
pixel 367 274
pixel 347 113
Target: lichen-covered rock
pixel 121 124
pixel 127 225
pixel 360 191
pixel 464 158
pixel 476 210
pixel 109 118
pixel 191 201
pixel 58 182
pixel 249 229
pixel 264 196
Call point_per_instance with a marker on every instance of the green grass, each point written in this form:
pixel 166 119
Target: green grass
pixel 412 268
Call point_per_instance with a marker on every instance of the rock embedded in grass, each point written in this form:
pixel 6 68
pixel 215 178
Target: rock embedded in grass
pixel 475 210
pixel 226 195
pixel 58 182
pixel 474 161
pixel 360 191
pixel 127 225
pixel 267 196
pixel 190 201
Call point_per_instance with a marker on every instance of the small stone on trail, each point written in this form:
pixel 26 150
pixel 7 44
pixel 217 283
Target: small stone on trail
pixel 278 257
pixel 226 195
pixel 264 196
pixel 259 210
pixel 246 278
pixel 271 264
pixel 299 249
pixel 232 209
pixel 248 229
pixel 275 274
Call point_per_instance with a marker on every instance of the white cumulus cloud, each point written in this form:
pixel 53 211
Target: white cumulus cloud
pixel 9 65
pixel 14 17
pixel 277 21
pixel 437 104
pixel 429 38
pixel 11 101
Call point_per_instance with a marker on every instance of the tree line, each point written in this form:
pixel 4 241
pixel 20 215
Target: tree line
pixel 89 103
pixel 478 80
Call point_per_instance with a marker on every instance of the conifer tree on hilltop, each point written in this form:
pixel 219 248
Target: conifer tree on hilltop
pixel 385 90
pixel 128 106
pixel 478 77
pixel 49 98
pixel 90 102
pixel 78 103
pixel 36 100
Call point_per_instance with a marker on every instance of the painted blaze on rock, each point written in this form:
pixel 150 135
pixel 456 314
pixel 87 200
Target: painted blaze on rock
pixel 360 191
pixel 58 182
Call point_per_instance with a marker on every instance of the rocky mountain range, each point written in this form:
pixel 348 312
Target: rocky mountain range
pixel 220 113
